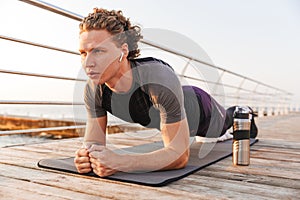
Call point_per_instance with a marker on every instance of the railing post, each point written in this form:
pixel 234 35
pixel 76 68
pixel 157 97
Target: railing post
pixel 255 97
pixel 218 81
pixel 238 91
pixel 185 67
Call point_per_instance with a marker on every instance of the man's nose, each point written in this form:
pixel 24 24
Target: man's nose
pixel 89 65
pixel 88 62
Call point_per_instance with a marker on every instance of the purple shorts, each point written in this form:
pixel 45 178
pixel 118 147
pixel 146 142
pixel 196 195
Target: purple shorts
pixel 206 117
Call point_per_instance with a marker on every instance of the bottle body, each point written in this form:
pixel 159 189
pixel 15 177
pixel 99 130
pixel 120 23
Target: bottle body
pixel 241 152
pixel 241 136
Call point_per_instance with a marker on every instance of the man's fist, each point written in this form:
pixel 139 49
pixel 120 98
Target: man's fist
pixel 82 161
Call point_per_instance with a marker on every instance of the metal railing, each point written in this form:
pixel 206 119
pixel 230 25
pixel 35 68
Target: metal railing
pixel 278 99
pixel 40 75
pixel 37 45
pixel 37 130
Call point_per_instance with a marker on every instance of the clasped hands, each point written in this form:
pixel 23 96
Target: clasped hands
pixel 97 158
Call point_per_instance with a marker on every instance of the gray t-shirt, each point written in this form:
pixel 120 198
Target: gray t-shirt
pixel 155 96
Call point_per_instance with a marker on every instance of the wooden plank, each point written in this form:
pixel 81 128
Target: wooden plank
pixel 278 143
pixel 257 169
pixel 36 154
pixel 22 189
pixel 281 150
pixel 56 150
pixel 49 148
pixel 73 145
pixel 236 189
pixel 94 186
pixel 241 178
pixel 284 158
pixel 284 128
pixel 209 187
pixel 273 172
pixel 30 157
pixel 291 166
pixel 8 193
pixel 20 157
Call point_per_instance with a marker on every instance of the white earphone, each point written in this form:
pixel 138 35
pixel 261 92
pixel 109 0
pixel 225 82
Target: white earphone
pixel 121 57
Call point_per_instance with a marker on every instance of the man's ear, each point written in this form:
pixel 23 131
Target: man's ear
pixel 125 50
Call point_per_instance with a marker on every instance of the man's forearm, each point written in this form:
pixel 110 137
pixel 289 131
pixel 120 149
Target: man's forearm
pixel 162 159
pixel 174 155
pixel 95 131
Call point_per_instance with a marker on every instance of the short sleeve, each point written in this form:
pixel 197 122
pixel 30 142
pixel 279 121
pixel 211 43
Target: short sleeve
pixel 164 89
pixel 93 101
pixel 169 103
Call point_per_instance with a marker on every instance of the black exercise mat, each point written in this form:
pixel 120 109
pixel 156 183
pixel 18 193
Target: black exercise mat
pixel 217 152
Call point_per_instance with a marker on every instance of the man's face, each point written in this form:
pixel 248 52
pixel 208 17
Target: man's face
pixel 99 55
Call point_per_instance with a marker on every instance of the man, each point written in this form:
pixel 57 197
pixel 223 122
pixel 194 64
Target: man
pixel 145 91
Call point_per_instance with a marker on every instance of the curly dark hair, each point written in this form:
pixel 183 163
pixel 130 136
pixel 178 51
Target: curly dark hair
pixel 117 25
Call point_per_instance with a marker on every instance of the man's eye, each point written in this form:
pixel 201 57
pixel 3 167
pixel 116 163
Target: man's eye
pixel 82 54
pixel 99 50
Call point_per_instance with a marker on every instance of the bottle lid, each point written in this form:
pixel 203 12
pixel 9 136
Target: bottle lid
pixel 242 112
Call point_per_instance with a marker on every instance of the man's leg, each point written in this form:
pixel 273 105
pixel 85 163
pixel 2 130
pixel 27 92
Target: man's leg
pixel 229 121
pixel 229 117
pixel 253 127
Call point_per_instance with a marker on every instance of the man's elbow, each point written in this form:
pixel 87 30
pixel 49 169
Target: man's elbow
pixel 183 160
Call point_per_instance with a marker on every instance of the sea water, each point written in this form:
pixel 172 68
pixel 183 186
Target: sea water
pixel 12 140
pixel 76 113
pixel 57 112
pixel 72 113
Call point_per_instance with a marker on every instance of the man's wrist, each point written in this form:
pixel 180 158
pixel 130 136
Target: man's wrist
pixel 88 144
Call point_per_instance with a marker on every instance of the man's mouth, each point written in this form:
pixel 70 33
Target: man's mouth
pixel 93 74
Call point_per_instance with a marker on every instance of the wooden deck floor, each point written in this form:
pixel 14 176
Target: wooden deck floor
pixel 273 173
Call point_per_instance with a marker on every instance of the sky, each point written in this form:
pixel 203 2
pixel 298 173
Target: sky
pixel 256 38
